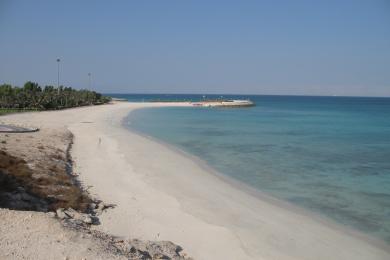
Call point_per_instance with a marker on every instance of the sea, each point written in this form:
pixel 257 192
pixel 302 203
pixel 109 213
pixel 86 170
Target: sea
pixel 329 155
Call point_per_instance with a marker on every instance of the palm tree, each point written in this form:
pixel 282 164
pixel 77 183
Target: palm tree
pixel 32 96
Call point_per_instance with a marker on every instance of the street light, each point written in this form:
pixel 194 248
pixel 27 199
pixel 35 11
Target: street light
pixel 58 73
pixel 89 80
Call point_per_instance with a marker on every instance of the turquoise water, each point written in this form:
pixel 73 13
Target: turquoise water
pixel 330 155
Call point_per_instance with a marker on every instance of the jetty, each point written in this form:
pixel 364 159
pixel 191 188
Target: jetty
pixel 224 103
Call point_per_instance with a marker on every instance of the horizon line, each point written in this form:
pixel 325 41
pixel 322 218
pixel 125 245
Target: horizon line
pixel 235 94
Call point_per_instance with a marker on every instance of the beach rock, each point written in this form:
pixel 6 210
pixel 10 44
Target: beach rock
pixel 92 206
pixel 158 249
pixel 165 248
pixel 71 213
pixel 87 219
pixel 61 214
pixel 95 220
pixel 79 217
pixel 132 252
pixel 74 224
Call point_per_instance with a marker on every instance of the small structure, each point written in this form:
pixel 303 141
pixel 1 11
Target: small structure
pixel 118 99
pixel 224 103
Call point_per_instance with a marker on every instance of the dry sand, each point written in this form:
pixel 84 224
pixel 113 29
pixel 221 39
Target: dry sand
pixel 35 235
pixel 161 194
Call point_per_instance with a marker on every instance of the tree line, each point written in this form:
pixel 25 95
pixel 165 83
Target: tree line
pixel 33 96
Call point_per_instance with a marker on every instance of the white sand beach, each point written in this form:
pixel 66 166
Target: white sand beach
pixel 162 194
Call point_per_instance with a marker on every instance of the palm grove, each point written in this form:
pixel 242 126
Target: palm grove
pixel 33 96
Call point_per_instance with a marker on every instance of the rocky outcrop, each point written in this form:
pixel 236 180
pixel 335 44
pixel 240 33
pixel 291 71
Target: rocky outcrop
pixel 75 216
pixel 98 207
pixel 137 249
pixel 90 217
pixel 130 248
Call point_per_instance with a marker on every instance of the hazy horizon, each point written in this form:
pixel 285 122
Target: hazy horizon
pixel 240 94
pixel 325 48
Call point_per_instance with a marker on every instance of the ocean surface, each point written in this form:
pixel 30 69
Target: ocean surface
pixel 330 155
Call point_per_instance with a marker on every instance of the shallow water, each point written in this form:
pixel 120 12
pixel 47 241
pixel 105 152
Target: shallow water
pixel 330 155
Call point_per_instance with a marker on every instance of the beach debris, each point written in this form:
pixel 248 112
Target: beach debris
pixel 75 216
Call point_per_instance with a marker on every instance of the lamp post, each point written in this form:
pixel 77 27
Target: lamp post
pixel 58 73
pixel 89 80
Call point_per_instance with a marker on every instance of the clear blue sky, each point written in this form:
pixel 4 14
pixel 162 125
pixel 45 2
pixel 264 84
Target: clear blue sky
pixel 261 47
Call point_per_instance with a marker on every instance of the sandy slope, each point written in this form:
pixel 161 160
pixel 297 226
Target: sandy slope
pixel 163 194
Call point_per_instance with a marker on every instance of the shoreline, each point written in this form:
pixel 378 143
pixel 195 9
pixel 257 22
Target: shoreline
pixel 252 191
pixel 205 212
pixel 163 195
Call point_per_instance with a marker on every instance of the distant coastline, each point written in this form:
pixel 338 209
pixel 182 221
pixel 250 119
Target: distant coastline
pixel 217 95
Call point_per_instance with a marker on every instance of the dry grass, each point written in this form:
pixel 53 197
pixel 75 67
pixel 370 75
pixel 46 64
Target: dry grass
pixel 15 166
pixel 54 184
pixel 57 156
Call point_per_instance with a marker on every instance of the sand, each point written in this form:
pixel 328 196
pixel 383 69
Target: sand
pixel 163 194
pixel 35 235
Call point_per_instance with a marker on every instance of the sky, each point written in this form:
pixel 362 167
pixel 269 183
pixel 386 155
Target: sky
pixel 300 47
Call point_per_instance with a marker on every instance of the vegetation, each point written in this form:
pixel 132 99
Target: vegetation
pixel 4 111
pixel 53 185
pixel 33 97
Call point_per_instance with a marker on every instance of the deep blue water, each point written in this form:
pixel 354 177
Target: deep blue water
pixel 330 155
